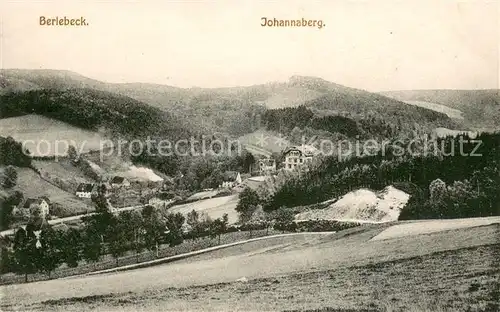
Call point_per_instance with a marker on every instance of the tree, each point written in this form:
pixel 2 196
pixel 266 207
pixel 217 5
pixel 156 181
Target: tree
pixel 174 223
pixel 50 250
pixel 71 247
pixel 6 260
pixel 118 243
pixel 100 201
pixel 437 189
pixel 283 218
pixel 193 220
pixel 10 177
pixel 7 207
pixel 153 228
pixel 12 153
pixel 248 201
pixel 219 226
pixel 73 154
pixel 134 231
pixel 261 218
pixel 92 244
pixel 296 136
pixel 25 252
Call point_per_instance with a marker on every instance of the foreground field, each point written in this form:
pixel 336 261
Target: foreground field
pixel 107 262
pixel 450 270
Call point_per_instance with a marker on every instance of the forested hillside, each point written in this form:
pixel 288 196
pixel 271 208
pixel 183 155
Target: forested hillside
pixel 477 176
pixel 94 110
pixel 351 124
pixel 481 107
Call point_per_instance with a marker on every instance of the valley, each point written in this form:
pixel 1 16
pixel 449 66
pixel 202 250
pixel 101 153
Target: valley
pixel 259 220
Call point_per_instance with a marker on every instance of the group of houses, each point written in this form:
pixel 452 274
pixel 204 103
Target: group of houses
pixel 41 203
pixel 86 190
pixel 298 156
pixel 294 157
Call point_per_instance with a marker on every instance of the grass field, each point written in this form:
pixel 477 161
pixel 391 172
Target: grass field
pixel 61 168
pixel 450 270
pixel 203 195
pixel 264 143
pixel 214 207
pixel 45 134
pixel 450 112
pixel 108 262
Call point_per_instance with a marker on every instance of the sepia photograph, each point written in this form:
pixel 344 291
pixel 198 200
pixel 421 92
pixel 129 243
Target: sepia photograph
pixel 237 155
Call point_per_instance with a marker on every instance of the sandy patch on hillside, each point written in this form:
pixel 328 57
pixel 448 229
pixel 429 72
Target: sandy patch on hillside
pixel 362 206
pixel 142 173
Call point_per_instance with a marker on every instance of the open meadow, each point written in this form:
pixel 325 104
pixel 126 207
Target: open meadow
pixel 214 207
pixel 48 137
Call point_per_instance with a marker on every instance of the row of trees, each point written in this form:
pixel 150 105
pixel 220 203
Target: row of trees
pixel 43 249
pixel 12 153
pixel 477 196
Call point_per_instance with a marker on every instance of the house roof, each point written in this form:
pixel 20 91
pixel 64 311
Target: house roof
pixel 45 198
pixel 267 161
pixel 230 175
pixel 117 180
pixel 60 227
pixel 34 201
pixel 85 187
pixel 308 150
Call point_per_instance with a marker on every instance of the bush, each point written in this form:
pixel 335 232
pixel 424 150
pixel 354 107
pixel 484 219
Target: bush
pixel 323 225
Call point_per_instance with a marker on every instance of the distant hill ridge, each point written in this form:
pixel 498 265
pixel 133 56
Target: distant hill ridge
pixel 481 108
pixel 231 110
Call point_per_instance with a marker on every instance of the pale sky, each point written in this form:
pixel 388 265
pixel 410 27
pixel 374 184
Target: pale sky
pixel 374 45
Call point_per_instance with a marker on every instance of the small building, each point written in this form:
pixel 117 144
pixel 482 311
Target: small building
pixel 117 182
pixel 231 179
pixel 85 190
pixel 43 203
pixel 298 155
pixel 266 165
